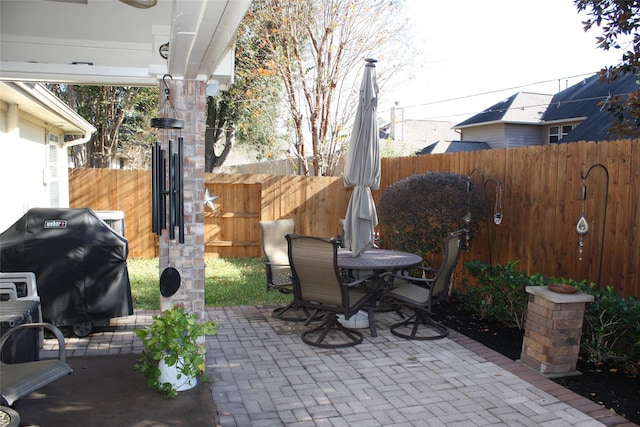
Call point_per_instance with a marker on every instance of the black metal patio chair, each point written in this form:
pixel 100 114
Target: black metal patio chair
pixel 419 293
pixel 319 286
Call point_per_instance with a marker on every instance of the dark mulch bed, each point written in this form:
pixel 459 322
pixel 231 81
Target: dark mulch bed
pixel 614 389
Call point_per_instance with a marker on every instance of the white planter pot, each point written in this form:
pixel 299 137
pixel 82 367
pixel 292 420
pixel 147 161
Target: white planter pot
pixel 359 320
pixel 170 374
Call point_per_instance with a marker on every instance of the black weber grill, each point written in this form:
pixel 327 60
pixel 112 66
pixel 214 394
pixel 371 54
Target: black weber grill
pixel 80 265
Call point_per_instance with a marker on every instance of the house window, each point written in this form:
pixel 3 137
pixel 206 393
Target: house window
pixel 556 133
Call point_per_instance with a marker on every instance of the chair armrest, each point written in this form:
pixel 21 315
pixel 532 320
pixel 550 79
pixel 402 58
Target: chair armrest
pixel 391 277
pixel 357 282
pixel 62 354
pixel 426 270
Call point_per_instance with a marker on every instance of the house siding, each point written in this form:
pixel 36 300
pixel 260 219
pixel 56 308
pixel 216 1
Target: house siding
pixel 491 134
pixel 23 163
pixel 501 135
pixel 20 159
pixel 523 135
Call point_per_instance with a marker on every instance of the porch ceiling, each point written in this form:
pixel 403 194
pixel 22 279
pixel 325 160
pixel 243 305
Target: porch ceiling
pixel 111 42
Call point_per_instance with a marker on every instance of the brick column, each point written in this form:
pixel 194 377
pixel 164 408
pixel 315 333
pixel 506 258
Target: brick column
pixel 552 334
pixel 190 102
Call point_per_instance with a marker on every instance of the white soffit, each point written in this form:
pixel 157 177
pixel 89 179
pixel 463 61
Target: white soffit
pixel 110 42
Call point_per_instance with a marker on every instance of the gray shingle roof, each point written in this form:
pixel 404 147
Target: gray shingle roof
pixel 583 100
pixel 492 114
pixel 579 103
pixel 522 107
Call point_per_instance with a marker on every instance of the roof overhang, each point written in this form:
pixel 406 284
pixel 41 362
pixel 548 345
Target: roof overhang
pixel 39 102
pixel 564 121
pixel 112 42
pixel 498 122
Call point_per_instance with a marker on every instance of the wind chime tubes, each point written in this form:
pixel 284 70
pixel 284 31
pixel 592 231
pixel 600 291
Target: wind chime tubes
pixel 167 171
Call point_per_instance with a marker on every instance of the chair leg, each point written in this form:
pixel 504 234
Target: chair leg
pixel 301 316
pixel 279 312
pixel 315 315
pixel 372 320
pixel 331 324
pixel 414 322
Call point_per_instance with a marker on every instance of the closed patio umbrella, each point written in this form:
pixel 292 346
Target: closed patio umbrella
pixel 362 167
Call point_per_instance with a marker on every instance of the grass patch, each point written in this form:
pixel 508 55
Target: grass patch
pixel 228 282
pixel 145 283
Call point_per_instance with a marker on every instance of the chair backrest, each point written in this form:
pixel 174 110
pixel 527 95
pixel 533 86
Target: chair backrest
pixel 314 264
pixel 274 244
pixel 24 281
pixel 8 292
pixel 442 280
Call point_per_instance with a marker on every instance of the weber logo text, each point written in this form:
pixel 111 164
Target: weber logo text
pixel 55 223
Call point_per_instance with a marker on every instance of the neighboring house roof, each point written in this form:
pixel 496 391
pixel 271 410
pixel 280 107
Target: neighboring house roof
pixel 453 147
pixel 522 107
pixel 582 102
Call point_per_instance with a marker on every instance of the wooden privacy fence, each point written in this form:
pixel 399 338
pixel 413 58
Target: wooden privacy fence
pixel 232 230
pixel 541 203
pixel 315 203
pixel 122 190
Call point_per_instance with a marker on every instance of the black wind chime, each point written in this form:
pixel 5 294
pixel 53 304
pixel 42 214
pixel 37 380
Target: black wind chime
pixel 167 201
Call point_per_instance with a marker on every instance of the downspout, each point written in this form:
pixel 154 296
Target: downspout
pixel 82 140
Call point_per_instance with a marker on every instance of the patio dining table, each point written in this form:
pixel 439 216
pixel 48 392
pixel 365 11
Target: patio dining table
pixel 374 262
pixel 377 260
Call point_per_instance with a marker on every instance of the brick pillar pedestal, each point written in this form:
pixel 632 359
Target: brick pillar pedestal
pixel 190 102
pixel 552 334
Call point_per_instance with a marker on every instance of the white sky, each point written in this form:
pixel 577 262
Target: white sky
pixel 471 47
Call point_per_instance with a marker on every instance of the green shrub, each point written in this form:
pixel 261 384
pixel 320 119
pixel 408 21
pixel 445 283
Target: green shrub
pixel 418 212
pixel 611 330
pixel 500 294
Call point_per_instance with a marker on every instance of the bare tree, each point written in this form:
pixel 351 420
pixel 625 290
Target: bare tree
pixel 317 49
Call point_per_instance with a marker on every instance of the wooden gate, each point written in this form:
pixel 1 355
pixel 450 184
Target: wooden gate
pixel 232 228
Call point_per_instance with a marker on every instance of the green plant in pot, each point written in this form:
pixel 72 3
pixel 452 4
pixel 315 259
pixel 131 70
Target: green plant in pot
pixel 174 355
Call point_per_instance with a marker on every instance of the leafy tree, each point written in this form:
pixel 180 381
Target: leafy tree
pixel 121 116
pixel 317 48
pixel 618 19
pixel 248 112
